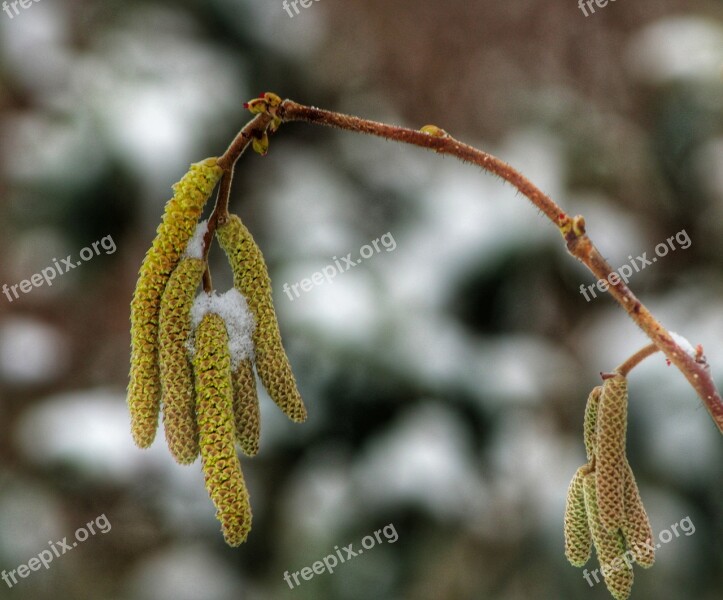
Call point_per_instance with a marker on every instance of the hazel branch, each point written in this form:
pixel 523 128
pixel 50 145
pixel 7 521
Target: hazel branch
pixel 636 359
pixel 578 243
pixel 253 130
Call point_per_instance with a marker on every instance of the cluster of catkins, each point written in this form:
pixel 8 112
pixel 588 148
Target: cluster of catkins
pixel 193 357
pixel 603 506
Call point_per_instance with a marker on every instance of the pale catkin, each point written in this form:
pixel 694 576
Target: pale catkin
pixel 612 421
pixel 246 408
pixel 636 526
pixel 578 542
pixel 178 225
pixel 217 432
pixel 609 546
pixel 178 396
pixel 251 278
pixel 590 421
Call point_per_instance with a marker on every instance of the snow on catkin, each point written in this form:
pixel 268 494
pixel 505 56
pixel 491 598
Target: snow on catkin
pixel 251 278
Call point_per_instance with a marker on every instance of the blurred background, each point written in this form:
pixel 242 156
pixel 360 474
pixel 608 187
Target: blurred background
pixel 445 378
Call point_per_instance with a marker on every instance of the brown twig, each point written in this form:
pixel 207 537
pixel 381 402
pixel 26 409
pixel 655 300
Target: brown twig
pixel 254 128
pixel 227 161
pixel 636 359
pixel 573 230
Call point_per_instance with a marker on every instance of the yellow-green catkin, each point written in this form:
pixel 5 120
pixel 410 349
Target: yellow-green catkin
pixel 610 547
pixel 246 408
pixel 590 422
pixel 612 421
pixel 578 542
pixel 178 397
pixel 251 278
pixel 636 526
pixel 214 413
pixel 179 221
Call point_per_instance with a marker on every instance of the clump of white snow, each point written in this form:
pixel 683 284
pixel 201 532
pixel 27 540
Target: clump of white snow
pixel 194 249
pixel 232 307
pixel 685 345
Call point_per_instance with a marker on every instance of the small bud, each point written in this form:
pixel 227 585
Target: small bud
pixel 261 144
pixel 256 106
pixel 610 450
pixel 434 131
pixel 273 102
pixel 178 225
pixel 267 103
pixel 578 543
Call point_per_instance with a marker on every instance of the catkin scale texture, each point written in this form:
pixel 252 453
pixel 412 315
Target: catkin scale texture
pixel 178 397
pixel 636 526
pixel 179 221
pixel 590 421
pixel 612 418
pixel 246 408
pixel 578 542
pixel 609 545
pixel 217 431
pixel 251 278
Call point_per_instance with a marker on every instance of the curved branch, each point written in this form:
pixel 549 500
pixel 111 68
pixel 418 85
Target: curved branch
pixel 579 244
pixel 636 359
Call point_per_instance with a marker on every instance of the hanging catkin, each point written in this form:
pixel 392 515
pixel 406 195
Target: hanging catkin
pixel 636 526
pixel 578 543
pixel 178 397
pixel 217 432
pixel 609 546
pixel 179 221
pixel 251 278
pixel 612 420
pixel 590 424
pixel 246 408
